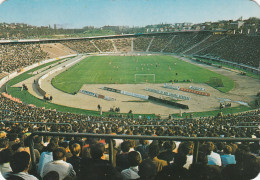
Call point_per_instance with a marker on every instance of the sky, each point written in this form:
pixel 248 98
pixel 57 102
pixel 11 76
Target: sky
pixel 98 13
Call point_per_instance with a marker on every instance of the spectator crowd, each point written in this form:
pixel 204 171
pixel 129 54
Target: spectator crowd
pixel 87 158
pixel 17 56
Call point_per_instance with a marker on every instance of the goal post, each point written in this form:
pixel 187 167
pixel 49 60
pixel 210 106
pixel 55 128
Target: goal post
pixel 144 78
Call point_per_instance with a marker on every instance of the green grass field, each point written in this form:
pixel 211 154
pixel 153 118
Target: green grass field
pixel 122 70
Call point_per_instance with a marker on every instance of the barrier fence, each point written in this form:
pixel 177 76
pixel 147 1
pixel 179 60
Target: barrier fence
pixel 109 138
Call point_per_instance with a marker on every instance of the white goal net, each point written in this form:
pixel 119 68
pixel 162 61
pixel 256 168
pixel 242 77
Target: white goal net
pixel 144 78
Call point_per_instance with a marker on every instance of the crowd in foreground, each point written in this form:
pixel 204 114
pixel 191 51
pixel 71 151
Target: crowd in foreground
pixel 87 158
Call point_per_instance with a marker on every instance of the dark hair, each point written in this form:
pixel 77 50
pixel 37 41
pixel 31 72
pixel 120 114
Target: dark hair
pixel 64 144
pixel 97 150
pixel 20 161
pixel 240 156
pixel 75 149
pixel 180 159
pixel 125 146
pixel 251 166
pixel 169 145
pixel 153 150
pixel 4 142
pixel 5 156
pixel 12 136
pixel 54 140
pixel 143 142
pixel 227 149
pixel 147 169
pixel 186 148
pixel 134 158
pixel 46 138
pixel 37 139
pixel 51 146
pixel 59 153
pixel 202 158
pixel 52 175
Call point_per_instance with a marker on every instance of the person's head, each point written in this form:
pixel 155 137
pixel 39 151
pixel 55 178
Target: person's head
pixel 4 143
pixel 180 159
pixel 147 169
pixel 46 139
pixel 251 166
pixel 240 156
pixel 59 154
pixel 37 139
pixel 54 140
pixel 134 158
pixel 52 175
pixel 2 134
pixel 205 172
pixel 51 146
pixel 227 149
pixel 97 151
pixel 5 156
pixel 125 146
pixel 12 136
pixel 143 142
pixel 169 145
pixel 220 146
pixel 20 162
pixel 186 148
pixel 153 150
pixel 202 158
pixel 75 149
pixel 211 146
pixel 65 145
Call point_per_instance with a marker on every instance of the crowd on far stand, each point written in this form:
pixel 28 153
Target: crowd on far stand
pixel 16 56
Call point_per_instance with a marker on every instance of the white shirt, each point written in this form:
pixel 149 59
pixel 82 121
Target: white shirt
pixel 188 162
pixel 5 168
pixel 214 159
pixel 130 173
pixel 25 176
pixel 63 168
pixel 1 177
pixel 45 157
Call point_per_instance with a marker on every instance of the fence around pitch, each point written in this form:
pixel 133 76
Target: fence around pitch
pixel 109 139
pixel 44 123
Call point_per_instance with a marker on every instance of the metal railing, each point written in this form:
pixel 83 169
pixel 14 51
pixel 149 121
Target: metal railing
pixel 109 139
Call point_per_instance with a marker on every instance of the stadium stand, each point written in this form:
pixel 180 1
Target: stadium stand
pixel 105 45
pixel 56 50
pixel 238 48
pixel 17 56
pixel 123 44
pixel 198 37
pixel 239 160
pixel 141 43
pixel 81 46
pixel 160 42
pixel 179 41
pixel 206 44
pixel 2 75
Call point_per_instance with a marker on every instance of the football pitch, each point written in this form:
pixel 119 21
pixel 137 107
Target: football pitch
pixel 134 70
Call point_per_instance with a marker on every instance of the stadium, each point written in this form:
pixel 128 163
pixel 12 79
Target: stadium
pixel 191 93
pixel 166 66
